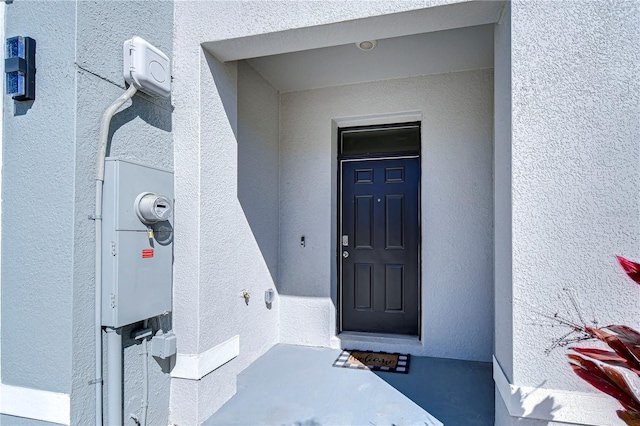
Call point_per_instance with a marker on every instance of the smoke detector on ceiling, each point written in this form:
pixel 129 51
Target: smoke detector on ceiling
pixel 367 44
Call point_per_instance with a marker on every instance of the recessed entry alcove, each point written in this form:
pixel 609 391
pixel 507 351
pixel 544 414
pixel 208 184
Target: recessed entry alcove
pixel 286 94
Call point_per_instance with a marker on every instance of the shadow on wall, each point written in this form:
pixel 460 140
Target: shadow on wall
pixel 251 107
pixel 158 370
pixel 158 117
pixel 542 410
pixel 161 322
pixel 22 107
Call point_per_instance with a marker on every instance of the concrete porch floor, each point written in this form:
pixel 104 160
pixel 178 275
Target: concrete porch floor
pixel 296 385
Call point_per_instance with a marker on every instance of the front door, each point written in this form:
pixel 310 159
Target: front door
pixel 379 245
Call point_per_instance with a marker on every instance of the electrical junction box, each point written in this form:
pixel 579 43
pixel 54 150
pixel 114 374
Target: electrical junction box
pixel 137 256
pixel 146 67
pixel 163 345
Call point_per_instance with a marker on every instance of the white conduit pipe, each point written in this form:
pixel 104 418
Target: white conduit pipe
pixel 114 376
pixel 145 378
pixel 104 129
pixel 100 157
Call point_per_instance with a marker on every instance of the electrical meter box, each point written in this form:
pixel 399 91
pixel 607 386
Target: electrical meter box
pixel 137 242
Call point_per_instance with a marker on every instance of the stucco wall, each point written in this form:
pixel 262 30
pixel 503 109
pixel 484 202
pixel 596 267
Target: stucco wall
pixel 238 231
pixel 575 171
pixel 37 267
pixel 220 247
pixel 574 161
pixel 457 207
pixel 502 193
pixel 47 264
pixel 575 106
pixel 141 131
pixel 503 319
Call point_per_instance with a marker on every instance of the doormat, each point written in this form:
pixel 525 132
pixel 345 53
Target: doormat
pixel 374 361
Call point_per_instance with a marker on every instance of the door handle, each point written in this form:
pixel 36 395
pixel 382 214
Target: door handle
pixel 345 254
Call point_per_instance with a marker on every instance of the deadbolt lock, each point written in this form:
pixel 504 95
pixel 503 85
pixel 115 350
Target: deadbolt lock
pixel 345 254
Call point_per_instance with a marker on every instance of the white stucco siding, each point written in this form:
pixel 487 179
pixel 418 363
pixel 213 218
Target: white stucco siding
pixel 38 157
pixel 214 239
pixel 576 134
pixel 235 246
pixel 238 236
pixel 457 206
pixel 50 147
pixel 502 194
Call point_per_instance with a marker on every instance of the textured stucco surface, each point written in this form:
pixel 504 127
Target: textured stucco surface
pixel 50 148
pixel 574 175
pixel 37 240
pixel 575 100
pixel 457 208
pixel 502 194
pixel 237 230
pixel 574 157
pixel 459 49
pixel 502 417
pixel 103 28
pixel 140 131
pixel 222 244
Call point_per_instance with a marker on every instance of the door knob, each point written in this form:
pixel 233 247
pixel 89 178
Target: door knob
pixel 345 254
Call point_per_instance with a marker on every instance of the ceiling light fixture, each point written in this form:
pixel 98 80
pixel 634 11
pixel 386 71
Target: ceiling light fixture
pixel 367 44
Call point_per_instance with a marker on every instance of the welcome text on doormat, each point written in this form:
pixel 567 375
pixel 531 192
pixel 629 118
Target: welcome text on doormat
pixel 374 361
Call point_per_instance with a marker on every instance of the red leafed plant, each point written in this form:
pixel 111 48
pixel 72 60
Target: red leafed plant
pixel 596 366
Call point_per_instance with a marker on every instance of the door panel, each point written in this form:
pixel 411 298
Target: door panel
pixel 363 286
pixel 363 231
pixel 380 269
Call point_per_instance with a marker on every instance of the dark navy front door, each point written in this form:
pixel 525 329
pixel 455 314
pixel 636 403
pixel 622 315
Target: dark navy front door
pixel 379 246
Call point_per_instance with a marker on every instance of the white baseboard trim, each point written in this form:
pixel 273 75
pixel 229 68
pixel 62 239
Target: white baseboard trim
pixel 557 405
pixel 35 404
pixel 196 366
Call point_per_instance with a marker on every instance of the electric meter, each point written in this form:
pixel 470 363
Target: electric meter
pixel 137 243
pixel 152 208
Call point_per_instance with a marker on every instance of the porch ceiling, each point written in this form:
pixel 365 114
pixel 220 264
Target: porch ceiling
pixel 449 38
pixel 419 54
pixel 456 15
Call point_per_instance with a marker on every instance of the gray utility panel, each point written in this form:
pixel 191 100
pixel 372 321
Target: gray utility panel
pixel 136 258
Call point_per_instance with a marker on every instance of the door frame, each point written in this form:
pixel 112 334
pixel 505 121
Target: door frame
pixel 400 119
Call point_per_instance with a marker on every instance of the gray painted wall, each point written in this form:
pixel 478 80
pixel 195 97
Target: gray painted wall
pixel 574 153
pixel 502 193
pixel 457 208
pixel 141 131
pixel 220 246
pixel 503 319
pixel 435 52
pixel 50 144
pixel 575 99
pixel 502 417
pixel 38 237
pixel 574 183
pixel 238 231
